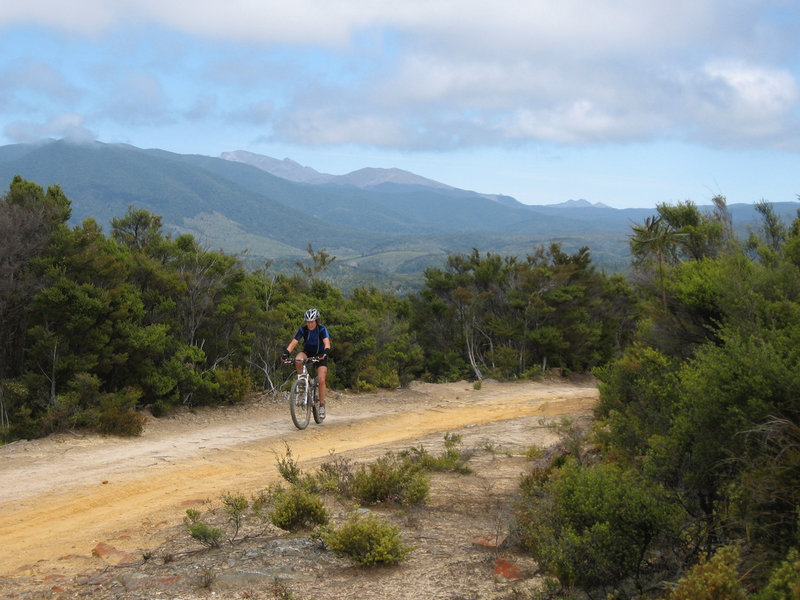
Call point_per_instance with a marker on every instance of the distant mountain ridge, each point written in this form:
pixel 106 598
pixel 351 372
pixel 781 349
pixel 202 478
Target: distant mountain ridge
pixel 365 178
pixel 383 222
pixel 362 178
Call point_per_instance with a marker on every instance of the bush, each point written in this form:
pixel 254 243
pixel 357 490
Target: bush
pixel 117 414
pixel 367 539
pixel 452 459
pixel 784 582
pixel 592 526
pixel 391 479
pixel 296 508
pixel 288 468
pixel 714 579
pixel 234 384
pixel 210 537
pixel 335 477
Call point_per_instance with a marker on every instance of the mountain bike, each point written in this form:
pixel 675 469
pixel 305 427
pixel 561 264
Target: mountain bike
pixel 304 395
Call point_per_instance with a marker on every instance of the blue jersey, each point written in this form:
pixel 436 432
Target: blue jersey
pixel 312 339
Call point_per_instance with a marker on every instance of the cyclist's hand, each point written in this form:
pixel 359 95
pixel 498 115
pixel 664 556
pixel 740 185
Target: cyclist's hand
pixel 285 356
pixel 324 354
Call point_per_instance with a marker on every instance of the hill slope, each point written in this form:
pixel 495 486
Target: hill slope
pixel 376 221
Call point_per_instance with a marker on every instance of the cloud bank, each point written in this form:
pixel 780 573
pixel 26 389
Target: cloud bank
pixel 414 76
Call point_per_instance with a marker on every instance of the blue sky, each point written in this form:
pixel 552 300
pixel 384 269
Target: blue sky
pixel 629 103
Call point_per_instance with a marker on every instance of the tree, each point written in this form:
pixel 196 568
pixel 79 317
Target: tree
pixel 656 239
pixel 30 220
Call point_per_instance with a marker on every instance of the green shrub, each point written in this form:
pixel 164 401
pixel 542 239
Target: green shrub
pixel 784 582
pixel 452 459
pixel 592 526
pixel 117 414
pixel 296 508
pixel 208 536
pixel 287 467
pixel 335 477
pixel 714 579
pixel 391 479
pixel 367 539
pixel 234 384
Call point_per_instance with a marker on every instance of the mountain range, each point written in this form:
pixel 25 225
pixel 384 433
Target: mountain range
pixel 385 223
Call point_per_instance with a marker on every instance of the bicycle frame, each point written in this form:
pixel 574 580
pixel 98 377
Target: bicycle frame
pixel 303 398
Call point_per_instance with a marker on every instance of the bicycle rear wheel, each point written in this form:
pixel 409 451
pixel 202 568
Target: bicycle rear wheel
pixel 299 404
pixel 318 418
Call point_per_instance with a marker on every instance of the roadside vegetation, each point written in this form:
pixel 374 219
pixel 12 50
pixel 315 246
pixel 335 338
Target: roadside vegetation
pixel 687 486
pixel 392 480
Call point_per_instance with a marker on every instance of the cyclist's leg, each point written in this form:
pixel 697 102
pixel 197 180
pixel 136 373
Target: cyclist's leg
pixel 322 372
pixel 297 363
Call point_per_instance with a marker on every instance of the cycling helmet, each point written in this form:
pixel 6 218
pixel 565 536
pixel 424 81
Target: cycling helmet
pixel 312 314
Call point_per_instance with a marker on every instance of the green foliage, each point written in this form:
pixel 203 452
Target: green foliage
pixel 233 383
pixel 367 539
pixel 784 581
pixel 508 317
pixel 451 459
pixel 593 526
pixel 706 400
pixel 391 479
pixel 714 579
pixel 288 467
pixel 210 537
pixel 117 414
pixel 296 508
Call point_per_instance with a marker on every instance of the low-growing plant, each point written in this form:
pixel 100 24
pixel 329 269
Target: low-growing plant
pixel 207 578
pixel 391 479
pixel 534 452
pixel 236 506
pixel 210 537
pixel 335 477
pixel 367 539
pixel 192 515
pixel 287 467
pixel 117 414
pixel 296 508
pixel 234 384
pixel 452 459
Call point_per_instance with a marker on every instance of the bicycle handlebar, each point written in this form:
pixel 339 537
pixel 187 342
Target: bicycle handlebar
pixel 307 359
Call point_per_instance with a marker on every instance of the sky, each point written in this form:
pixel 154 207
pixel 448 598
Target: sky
pixel 629 103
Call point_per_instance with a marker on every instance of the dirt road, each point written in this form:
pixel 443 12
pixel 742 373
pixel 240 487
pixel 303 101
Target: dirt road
pixel 63 495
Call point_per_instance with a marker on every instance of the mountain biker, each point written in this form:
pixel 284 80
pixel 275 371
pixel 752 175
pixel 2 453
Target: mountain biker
pixel 316 342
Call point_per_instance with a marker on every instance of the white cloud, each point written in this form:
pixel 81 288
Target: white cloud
pixel 421 74
pixel 66 125
pixel 26 77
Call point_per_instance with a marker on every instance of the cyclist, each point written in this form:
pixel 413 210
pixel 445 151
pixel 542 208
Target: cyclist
pixel 316 342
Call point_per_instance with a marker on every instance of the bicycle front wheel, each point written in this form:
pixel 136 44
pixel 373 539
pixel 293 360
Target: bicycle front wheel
pixel 299 404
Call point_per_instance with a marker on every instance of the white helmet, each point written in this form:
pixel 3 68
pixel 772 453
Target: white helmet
pixel 312 314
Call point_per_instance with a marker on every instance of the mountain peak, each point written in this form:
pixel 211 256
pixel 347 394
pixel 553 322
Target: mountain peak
pixel 285 169
pixel 372 176
pixel 580 203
